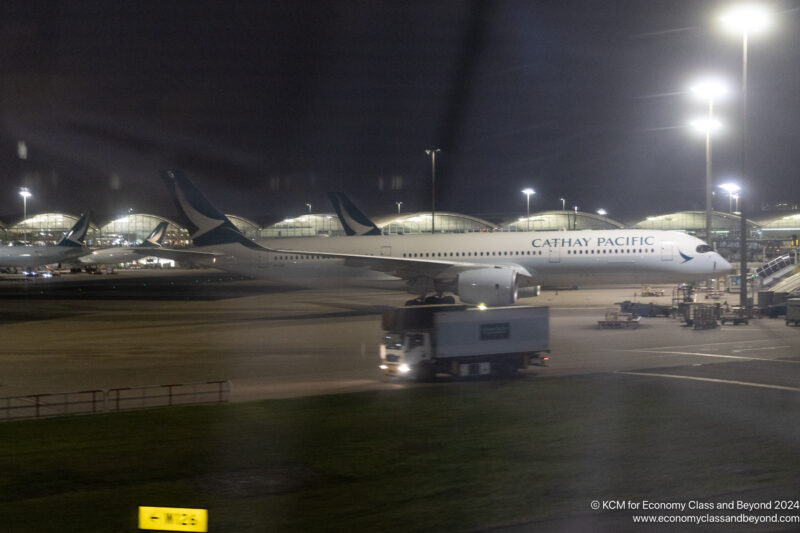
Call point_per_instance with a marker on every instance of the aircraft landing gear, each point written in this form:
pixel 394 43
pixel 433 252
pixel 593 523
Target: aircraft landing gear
pixel 440 300
pixel 432 300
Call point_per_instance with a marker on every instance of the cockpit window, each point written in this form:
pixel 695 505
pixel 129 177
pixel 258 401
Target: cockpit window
pixel 703 248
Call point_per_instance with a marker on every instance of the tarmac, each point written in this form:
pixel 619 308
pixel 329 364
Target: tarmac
pixel 81 332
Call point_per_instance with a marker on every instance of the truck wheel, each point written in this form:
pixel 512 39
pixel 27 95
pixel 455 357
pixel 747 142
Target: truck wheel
pixel 425 372
pixel 506 368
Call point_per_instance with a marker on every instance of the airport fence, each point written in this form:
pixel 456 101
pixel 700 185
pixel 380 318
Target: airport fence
pixel 113 400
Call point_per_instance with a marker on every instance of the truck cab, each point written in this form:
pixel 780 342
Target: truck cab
pixel 403 351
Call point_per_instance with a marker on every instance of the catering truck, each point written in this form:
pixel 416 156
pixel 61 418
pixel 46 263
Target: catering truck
pixel 793 311
pixel 422 341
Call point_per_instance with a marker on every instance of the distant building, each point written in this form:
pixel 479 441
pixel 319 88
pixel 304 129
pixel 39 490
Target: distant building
pixel 561 220
pixel 133 229
pixel 781 228
pixel 445 222
pixel 310 225
pixel 44 228
pixel 724 226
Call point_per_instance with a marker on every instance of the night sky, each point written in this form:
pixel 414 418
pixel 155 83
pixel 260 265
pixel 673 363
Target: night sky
pixel 267 105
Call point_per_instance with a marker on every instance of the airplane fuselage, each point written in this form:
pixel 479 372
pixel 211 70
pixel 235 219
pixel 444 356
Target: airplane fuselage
pixel 551 258
pixel 32 256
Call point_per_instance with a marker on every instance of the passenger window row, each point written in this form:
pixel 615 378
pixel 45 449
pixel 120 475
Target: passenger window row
pixel 470 254
pixel 296 257
pixel 598 252
pixel 529 252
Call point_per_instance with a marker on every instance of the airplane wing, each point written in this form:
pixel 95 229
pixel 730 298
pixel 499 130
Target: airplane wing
pixel 410 268
pixel 401 267
pixel 174 255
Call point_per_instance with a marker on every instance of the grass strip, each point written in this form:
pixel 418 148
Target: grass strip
pixel 448 457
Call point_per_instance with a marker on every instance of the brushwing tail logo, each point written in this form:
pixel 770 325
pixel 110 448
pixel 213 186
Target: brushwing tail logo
pixel 685 257
pixel 202 223
pixel 157 235
pixel 77 233
pixel 207 225
pixel 353 221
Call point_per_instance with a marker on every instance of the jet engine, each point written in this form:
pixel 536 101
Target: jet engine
pixel 490 286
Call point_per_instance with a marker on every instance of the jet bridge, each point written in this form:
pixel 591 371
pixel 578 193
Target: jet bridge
pixel 788 285
pixel 775 270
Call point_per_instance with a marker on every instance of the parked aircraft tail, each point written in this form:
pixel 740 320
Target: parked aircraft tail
pixel 206 224
pixel 156 236
pixel 77 232
pixel 353 220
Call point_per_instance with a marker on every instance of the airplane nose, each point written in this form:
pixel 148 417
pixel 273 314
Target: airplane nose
pixel 722 266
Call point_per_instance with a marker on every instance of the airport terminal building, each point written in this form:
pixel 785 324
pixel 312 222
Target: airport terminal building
pixel 766 239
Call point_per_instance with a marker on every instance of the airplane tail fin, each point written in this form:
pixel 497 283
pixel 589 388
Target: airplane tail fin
pixel 156 236
pixel 77 232
pixel 206 224
pixel 353 220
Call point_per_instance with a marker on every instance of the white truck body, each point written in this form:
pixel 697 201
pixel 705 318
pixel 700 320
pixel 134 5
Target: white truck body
pixel 793 311
pixel 421 342
pixel 492 331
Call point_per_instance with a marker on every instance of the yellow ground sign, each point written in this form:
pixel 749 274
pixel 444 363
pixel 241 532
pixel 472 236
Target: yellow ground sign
pixel 173 519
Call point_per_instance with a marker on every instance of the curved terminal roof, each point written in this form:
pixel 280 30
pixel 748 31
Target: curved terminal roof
pixel 446 222
pixel 304 226
pixel 694 222
pixel 561 220
pixel 46 228
pixel 781 227
pixel 134 228
pixel 248 227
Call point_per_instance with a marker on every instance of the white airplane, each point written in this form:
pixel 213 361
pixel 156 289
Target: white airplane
pixel 488 268
pixel 125 254
pixel 68 248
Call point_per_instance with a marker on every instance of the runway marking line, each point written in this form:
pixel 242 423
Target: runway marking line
pixel 715 380
pixel 700 354
pixel 765 348
pixel 710 344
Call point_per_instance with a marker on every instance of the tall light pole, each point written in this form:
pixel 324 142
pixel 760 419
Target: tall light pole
pixel 398 206
pixel 563 204
pixel 432 152
pixel 25 193
pixel 527 192
pixel 707 126
pixel 309 208
pixel 745 20
pixel 709 90
pixel 731 188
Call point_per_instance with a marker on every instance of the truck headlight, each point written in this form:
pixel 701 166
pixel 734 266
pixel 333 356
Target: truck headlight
pixel 403 369
pixel 383 367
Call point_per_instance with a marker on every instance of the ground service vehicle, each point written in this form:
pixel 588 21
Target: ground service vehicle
pixel 615 320
pixel 793 311
pixel 650 291
pixel 644 309
pixel 735 316
pixel 420 342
